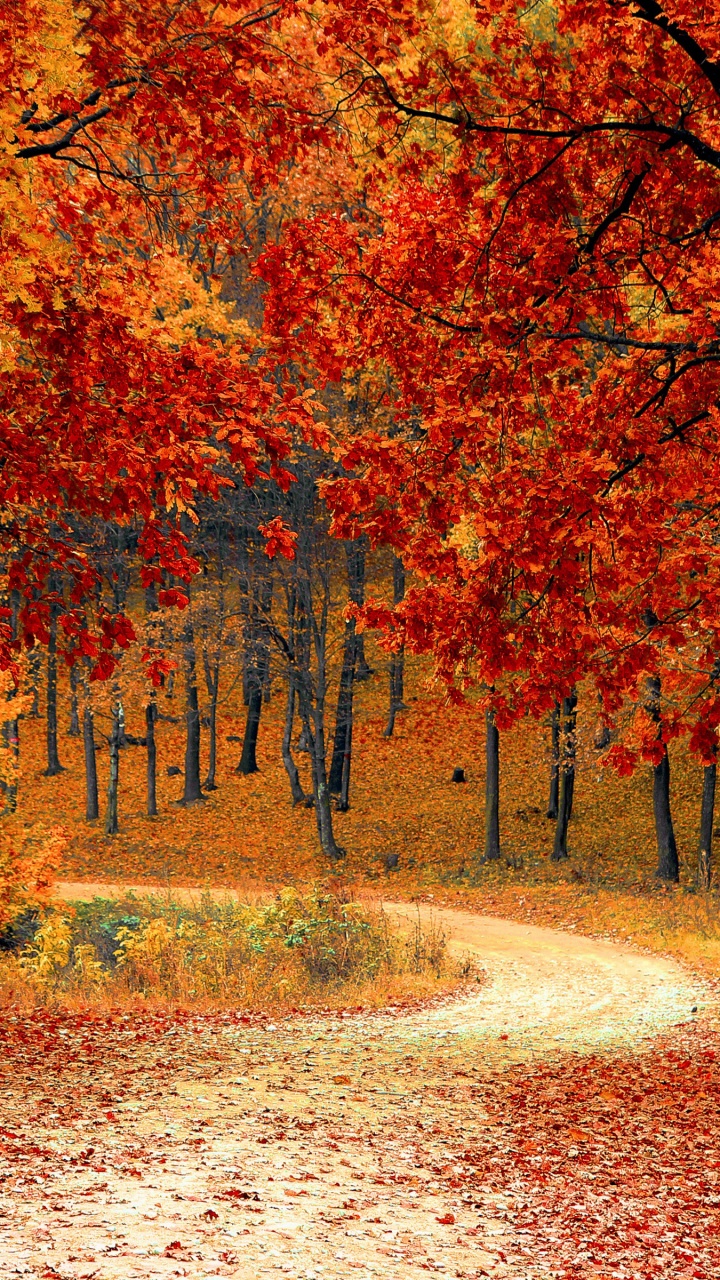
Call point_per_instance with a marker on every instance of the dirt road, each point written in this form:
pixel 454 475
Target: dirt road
pixel 316 1146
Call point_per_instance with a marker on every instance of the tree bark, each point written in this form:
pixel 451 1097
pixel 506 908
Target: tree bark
pixel 397 662
pixel 321 792
pixel 111 816
pixel 74 730
pixel 11 731
pixel 553 798
pixel 151 746
pixel 35 664
pixel 192 790
pixel 257 665
pixel 11 737
pixel 248 759
pixel 343 802
pixel 343 714
pixel 92 807
pixel 567 779
pixel 212 680
pixel 342 742
pixel 668 867
pixel 492 788
pixel 54 766
pixel 356 575
pixel 707 818
pixel 296 791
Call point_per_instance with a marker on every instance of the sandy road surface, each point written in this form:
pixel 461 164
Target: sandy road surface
pixel 313 1147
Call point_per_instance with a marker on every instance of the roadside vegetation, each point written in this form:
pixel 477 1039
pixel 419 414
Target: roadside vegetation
pixel 296 950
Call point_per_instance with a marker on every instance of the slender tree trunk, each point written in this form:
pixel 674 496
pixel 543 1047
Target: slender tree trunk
pixel 553 798
pixel 707 818
pixel 397 662
pixel 151 600
pixel 343 716
pixel 92 807
pixel 54 766
pixel 111 815
pixel 10 730
pixel 668 867
pixel 492 788
pixel 257 669
pixel 356 575
pixel 210 783
pixel 567 779
pixel 212 682
pixel 192 790
pixel 343 803
pixel 296 791
pixel 11 737
pixel 212 673
pixel 312 719
pixel 35 664
pixel 74 730
pixel 323 809
pixel 560 848
pixel 248 760
pixel 151 745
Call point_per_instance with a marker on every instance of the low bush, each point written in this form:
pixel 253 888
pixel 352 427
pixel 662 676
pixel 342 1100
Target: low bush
pixel 300 948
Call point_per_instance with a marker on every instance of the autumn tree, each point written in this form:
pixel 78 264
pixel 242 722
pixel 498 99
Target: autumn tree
pixel 534 253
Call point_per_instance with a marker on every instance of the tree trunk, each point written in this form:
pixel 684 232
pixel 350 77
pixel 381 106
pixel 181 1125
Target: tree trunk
pixel 151 600
pixel 312 719
pixel 248 761
pixel 111 816
pixel 668 866
pixel 560 849
pixel 707 818
pixel 296 791
pixel 10 730
pixel 552 809
pixel 343 803
pixel 35 664
pixel 323 810
pixel 192 790
pixel 74 730
pixel 356 576
pixel 492 788
pixel 54 766
pixel 92 807
pixel 257 667
pixel 11 738
pixel 397 662
pixel 212 680
pixel 150 719
pixel 566 780
pixel 343 716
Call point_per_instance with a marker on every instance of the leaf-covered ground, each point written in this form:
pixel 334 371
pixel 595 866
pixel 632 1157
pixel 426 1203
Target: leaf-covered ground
pixel 385 1145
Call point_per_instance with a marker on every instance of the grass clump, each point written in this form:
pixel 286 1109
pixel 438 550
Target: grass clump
pixel 301 948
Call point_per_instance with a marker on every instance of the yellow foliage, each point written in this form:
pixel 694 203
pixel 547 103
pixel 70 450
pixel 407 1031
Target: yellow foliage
pixel 29 860
pixel 50 951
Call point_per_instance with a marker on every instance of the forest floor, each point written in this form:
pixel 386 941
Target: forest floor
pixel 559 1121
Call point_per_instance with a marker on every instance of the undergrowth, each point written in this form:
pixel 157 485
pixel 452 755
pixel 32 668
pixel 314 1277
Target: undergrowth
pixel 301 948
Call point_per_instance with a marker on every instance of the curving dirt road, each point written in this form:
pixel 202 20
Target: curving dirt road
pixel 546 989
pixel 317 1146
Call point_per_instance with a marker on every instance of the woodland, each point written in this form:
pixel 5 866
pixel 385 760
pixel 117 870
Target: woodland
pixel 359 528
